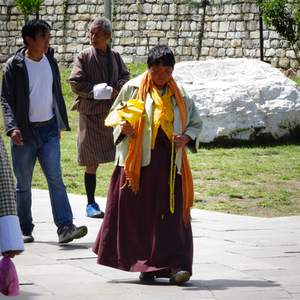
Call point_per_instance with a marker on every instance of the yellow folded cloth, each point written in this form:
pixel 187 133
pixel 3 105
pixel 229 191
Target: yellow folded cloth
pixel 131 111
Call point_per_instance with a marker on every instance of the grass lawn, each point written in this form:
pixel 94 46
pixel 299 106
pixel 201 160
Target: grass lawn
pixel 257 180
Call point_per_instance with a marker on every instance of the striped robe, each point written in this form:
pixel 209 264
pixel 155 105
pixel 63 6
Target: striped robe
pixel 10 231
pixel 95 143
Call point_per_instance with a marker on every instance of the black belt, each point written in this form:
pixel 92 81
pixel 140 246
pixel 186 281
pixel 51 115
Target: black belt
pixel 36 125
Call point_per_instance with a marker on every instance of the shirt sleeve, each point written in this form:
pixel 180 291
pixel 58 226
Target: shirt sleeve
pixel 10 234
pixel 124 72
pixel 78 79
pixel 7 97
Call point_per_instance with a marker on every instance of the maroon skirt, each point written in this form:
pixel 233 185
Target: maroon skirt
pixel 139 233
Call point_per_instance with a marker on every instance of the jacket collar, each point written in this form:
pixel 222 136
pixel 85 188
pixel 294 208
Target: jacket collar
pixel 99 52
pixel 136 82
pixel 19 56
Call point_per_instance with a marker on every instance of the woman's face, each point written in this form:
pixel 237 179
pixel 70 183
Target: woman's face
pixel 160 75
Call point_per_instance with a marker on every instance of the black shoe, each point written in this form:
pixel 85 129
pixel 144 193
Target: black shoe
pixel 146 276
pixel 69 233
pixel 180 277
pixel 27 236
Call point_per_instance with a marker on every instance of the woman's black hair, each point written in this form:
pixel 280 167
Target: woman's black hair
pixel 33 27
pixel 160 54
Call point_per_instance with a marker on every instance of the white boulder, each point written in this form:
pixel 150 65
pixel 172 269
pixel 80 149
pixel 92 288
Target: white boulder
pixel 241 99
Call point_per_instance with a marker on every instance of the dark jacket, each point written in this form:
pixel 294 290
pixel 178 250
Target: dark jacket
pixel 15 95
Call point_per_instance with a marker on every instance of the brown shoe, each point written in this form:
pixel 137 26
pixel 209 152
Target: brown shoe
pixel 180 277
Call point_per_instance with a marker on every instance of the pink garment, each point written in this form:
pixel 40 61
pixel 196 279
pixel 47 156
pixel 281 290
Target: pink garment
pixel 9 283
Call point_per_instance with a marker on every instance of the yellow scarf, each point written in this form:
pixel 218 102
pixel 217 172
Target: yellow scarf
pixel 163 114
pixel 134 157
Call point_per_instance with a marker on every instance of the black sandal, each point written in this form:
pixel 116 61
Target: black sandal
pixel 147 276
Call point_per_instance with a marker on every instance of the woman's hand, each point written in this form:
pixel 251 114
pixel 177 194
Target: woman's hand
pixel 180 140
pixel 10 253
pixel 127 129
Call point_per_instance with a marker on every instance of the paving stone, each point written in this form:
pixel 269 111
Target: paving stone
pixel 235 257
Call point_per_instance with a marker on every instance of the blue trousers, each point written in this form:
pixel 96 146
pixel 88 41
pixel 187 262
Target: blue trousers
pixel 44 145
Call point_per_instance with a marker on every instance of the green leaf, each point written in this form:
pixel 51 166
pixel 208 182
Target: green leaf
pixel 29 7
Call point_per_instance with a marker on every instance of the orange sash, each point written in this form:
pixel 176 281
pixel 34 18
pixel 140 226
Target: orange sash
pixel 134 156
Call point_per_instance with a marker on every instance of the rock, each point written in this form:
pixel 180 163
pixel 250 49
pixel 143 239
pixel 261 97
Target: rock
pixel 290 73
pixel 241 99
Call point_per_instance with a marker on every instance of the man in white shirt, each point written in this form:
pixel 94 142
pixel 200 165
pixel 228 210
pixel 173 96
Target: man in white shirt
pixel 34 113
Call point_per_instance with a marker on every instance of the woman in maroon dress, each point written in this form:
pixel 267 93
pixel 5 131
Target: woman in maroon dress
pixel 147 222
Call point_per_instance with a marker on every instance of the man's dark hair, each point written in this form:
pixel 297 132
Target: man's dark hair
pixel 160 54
pixel 33 27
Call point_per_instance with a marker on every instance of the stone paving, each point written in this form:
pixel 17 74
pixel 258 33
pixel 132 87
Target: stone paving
pixel 235 258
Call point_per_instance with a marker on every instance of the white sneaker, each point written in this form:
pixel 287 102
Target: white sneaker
pixel 69 233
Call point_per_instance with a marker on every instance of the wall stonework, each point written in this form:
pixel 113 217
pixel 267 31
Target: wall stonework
pixel 231 29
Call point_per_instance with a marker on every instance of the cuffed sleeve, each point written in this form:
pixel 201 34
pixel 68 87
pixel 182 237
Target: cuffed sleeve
pixel 10 234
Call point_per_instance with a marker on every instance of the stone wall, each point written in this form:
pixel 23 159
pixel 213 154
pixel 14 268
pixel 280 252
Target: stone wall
pixel 231 29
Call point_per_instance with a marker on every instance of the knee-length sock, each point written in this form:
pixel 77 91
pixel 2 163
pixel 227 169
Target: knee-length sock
pixel 90 187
